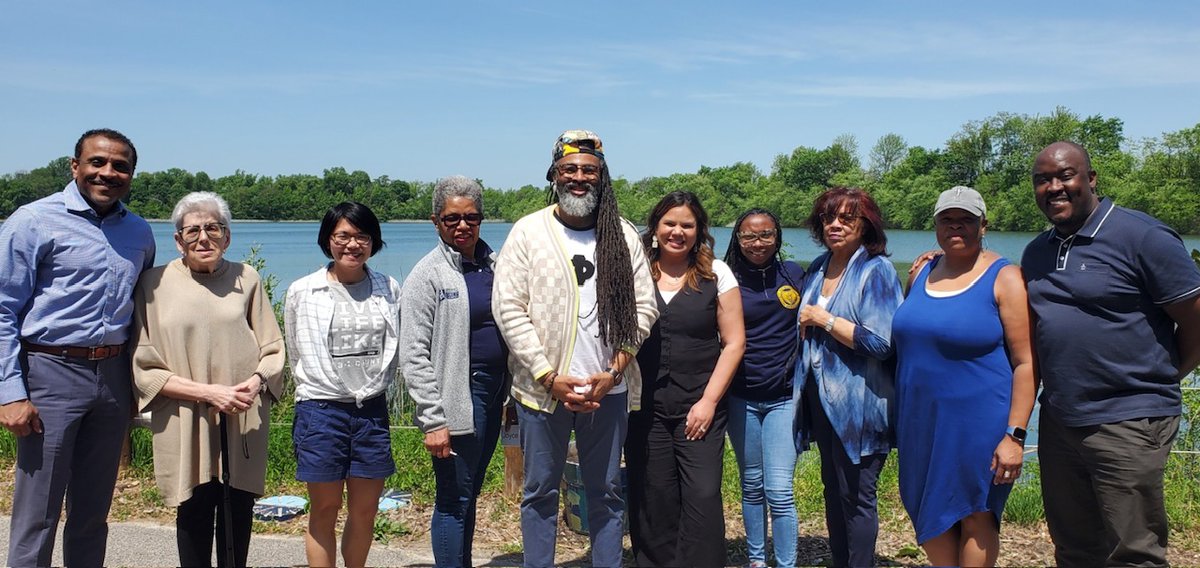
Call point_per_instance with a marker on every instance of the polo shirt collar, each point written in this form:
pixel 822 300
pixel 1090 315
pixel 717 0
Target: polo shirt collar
pixel 75 202
pixel 483 254
pixel 1093 223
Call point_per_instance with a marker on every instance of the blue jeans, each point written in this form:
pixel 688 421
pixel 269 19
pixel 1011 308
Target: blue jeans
pixel 599 436
pixel 761 435
pixel 459 478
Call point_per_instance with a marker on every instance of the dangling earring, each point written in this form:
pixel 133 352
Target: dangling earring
pixel 654 241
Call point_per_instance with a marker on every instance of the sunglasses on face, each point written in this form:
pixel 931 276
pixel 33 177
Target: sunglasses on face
pixel 843 218
pixel 453 219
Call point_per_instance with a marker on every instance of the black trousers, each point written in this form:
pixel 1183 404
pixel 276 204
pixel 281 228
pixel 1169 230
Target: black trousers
pixel 851 505
pixel 195 520
pixel 675 512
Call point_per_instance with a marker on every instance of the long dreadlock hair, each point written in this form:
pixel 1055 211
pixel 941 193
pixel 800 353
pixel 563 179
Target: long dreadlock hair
pixel 737 260
pixel 616 309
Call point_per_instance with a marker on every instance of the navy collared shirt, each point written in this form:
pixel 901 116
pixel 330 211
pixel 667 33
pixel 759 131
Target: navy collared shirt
pixel 67 278
pixel 1106 348
pixel 488 350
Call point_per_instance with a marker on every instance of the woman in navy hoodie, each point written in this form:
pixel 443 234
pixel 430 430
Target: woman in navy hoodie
pixel 761 409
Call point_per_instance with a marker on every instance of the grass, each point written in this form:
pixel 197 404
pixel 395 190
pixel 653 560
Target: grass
pixel 1025 502
pixel 386 528
pixel 414 472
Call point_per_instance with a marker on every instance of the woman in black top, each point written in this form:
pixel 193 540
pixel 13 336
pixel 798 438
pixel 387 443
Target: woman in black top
pixel 675 441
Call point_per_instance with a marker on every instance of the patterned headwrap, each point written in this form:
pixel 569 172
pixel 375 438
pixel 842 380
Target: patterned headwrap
pixel 575 142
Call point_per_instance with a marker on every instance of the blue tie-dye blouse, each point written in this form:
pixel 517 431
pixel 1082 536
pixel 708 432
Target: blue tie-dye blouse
pixel 857 384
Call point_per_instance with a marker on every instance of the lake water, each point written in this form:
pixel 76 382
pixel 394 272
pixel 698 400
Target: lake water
pixel 291 251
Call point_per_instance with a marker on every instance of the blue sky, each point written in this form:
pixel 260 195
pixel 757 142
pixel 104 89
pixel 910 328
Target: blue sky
pixel 421 90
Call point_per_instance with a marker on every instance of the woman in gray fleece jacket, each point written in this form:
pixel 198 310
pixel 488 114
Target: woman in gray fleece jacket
pixel 456 364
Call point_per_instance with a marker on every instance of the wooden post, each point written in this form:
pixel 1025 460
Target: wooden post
pixel 514 472
pixel 126 450
pixel 514 458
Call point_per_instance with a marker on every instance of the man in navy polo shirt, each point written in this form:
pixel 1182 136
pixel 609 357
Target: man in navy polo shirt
pixel 1116 300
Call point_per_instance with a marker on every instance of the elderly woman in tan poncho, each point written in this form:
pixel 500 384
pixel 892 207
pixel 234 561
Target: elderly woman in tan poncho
pixel 208 351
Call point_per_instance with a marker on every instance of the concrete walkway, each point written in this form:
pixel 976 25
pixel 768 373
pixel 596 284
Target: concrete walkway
pixel 151 544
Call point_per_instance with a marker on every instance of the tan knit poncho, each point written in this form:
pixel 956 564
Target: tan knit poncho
pixel 213 328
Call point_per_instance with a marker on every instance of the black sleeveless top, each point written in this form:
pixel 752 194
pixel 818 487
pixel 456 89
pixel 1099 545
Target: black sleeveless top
pixel 679 356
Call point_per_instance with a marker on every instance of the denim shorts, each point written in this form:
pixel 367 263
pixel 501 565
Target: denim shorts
pixel 338 440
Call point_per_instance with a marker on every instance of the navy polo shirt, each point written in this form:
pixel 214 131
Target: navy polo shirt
pixel 772 337
pixel 1105 346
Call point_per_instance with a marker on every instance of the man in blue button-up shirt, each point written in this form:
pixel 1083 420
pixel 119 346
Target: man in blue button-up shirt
pixel 68 265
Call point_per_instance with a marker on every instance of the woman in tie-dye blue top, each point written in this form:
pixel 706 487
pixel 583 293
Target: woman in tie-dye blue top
pixel 844 384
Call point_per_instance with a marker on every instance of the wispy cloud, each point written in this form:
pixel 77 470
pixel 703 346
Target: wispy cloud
pixel 766 65
pixel 491 71
pixel 925 61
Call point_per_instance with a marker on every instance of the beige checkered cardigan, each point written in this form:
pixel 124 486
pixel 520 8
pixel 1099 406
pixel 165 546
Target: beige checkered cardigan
pixel 535 302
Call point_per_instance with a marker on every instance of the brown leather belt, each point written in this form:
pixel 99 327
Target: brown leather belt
pixel 90 353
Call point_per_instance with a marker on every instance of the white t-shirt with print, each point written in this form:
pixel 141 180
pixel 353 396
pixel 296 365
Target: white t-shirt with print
pixel 591 354
pixel 356 337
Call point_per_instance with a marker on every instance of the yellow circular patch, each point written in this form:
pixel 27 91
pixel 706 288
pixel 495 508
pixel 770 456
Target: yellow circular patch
pixel 789 297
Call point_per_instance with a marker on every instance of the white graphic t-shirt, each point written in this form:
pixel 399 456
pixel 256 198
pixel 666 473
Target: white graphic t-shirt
pixel 591 354
pixel 355 335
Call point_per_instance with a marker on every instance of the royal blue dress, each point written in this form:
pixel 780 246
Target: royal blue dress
pixel 954 389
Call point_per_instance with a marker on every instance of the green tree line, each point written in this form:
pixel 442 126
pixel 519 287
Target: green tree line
pixel 1160 176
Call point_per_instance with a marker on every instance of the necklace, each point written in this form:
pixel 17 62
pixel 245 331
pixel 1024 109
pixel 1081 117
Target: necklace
pixel 671 279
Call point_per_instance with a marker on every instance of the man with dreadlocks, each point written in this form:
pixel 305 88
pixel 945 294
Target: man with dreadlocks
pixel 571 355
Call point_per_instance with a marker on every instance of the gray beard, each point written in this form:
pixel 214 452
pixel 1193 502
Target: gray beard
pixel 576 206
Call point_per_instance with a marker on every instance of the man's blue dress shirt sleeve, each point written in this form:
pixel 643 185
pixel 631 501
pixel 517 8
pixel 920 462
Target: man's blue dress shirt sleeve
pixel 20 251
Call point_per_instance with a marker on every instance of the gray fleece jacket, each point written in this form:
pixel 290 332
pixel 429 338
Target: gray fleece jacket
pixel 435 340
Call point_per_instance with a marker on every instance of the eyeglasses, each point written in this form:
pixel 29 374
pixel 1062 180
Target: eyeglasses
pixel 191 233
pixel 843 218
pixel 572 169
pixel 767 237
pixel 453 219
pixel 343 239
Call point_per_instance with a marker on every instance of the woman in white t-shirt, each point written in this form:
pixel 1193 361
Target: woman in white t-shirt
pixel 675 442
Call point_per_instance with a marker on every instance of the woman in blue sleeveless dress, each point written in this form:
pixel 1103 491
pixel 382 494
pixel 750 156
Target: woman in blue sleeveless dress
pixel 965 388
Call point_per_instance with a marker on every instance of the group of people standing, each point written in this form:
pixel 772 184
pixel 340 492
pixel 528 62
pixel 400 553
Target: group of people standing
pixel 637 347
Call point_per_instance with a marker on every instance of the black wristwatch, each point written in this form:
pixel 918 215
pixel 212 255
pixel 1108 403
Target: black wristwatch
pixel 618 376
pixel 1017 434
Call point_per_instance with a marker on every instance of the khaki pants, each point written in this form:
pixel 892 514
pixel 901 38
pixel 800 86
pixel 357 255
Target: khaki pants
pixel 1103 490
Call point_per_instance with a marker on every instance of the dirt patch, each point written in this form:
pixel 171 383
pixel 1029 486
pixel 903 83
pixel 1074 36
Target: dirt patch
pixel 498 532
pixel 498 540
